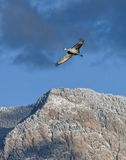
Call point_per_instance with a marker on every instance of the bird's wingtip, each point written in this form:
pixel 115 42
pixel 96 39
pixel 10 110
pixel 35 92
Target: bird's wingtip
pixel 81 39
pixel 57 64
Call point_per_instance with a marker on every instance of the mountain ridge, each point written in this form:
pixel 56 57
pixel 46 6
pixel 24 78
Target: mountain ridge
pixel 70 124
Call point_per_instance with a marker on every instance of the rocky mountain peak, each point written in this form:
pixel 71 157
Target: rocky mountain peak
pixel 70 124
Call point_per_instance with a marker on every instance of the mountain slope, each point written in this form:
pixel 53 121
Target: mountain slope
pixel 70 124
pixel 9 118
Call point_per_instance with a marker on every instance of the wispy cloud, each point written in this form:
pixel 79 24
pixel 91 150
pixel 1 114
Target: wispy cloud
pixel 40 29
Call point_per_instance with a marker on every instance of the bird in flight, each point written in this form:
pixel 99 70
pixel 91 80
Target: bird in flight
pixel 75 50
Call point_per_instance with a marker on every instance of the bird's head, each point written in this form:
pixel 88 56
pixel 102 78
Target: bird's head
pixel 65 49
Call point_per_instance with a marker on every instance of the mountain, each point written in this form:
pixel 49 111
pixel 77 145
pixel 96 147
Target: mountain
pixel 65 124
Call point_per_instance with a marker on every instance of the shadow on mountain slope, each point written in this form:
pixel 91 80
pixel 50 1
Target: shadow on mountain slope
pixel 3 133
pixel 55 149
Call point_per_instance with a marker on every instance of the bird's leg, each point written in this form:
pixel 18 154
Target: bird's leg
pixel 79 53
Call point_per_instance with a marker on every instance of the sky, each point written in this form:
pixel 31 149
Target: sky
pixel 33 34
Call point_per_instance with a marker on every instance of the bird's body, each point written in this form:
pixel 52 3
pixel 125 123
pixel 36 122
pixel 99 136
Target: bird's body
pixel 72 50
pixel 75 50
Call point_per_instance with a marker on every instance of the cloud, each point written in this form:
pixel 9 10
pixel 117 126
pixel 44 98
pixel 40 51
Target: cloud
pixel 24 27
pixel 42 29
pixel 51 6
pixel 35 58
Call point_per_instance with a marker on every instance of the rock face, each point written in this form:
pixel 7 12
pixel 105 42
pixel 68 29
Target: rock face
pixel 70 124
pixel 9 118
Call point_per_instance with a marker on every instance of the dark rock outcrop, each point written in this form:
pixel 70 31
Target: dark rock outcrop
pixel 70 124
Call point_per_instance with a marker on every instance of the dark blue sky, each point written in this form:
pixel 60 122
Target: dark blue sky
pixel 33 34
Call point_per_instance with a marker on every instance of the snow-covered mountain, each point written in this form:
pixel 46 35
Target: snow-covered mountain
pixel 65 124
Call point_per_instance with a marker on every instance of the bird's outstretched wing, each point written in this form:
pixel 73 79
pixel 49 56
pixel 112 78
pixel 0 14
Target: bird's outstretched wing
pixel 65 58
pixel 79 44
